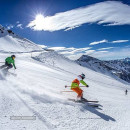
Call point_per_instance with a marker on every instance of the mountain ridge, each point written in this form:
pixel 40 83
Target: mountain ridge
pixel 117 68
pixel 11 42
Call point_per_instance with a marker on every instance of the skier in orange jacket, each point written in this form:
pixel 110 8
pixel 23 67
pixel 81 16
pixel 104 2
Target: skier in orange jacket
pixel 75 86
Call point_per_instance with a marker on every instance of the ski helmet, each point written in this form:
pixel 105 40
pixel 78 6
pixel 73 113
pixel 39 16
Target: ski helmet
pixel 13 56
pixel 82 76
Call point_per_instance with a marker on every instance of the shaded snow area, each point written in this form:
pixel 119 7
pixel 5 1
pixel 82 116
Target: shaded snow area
pixel 34 89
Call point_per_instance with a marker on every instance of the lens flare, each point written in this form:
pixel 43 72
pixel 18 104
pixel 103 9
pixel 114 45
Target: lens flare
pixel 39 20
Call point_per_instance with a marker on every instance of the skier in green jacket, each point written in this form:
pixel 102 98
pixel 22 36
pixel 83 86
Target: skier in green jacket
pixel 9 62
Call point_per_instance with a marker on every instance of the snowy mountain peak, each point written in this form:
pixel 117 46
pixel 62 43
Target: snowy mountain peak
pixel 10 42
pixel 126 60
pixel 87 58
pixel 116 68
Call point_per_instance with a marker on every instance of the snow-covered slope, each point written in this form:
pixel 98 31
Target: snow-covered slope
pixel 52 58
pixel 10 42
pixel 114 68
pixel 35 90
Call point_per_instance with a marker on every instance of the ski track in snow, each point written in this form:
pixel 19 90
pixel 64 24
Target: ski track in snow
pixel 35 91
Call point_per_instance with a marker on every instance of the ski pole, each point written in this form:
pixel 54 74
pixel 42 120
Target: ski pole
pixel 14 70
pixel 66 91
pixel 70 86
pixel 2 62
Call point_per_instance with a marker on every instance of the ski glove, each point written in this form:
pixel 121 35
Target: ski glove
pixel 87 86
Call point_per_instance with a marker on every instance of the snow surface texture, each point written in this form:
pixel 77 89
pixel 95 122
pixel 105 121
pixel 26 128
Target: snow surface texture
pixel 35 90
pixel 10 42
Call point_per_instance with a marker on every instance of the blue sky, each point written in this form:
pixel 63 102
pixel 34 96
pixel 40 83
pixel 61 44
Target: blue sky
pixel 98 28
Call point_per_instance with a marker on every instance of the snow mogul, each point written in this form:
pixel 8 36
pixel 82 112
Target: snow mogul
pixel 9 63
pixel 75 86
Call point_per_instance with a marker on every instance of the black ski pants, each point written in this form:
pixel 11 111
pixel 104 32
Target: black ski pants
pixel 9 66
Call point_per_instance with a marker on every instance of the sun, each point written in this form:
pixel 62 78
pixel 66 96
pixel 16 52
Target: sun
pixel 39 17
pixel 39 20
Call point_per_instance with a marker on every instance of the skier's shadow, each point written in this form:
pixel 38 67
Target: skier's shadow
pixel 3 74
pixel 96 112
pixel 1 77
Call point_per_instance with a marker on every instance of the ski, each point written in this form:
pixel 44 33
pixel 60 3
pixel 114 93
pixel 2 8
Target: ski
pixel 93 105
pixel 70 86
pixel 80 101
pixel 92 101
pixel 84 100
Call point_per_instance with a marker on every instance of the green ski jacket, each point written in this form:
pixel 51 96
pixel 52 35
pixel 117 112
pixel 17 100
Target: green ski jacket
pixel 9 60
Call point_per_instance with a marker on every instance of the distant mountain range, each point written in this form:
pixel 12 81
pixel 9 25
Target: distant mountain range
pixel 117 68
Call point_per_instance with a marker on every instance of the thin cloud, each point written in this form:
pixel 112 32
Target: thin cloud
pixel 67 52
pixel 98 42
pixel 10 26
pixel 16 25
pixel 71 49
pixel 71 28
pixel 109 13
pixel 102 53
pixel 43 46
pixel 17 22
pixel 57 48
pixel 82 49
pixel 107 48
pixel 120 41
pixel 89 52
pixel 70 52
pixel 116 54
pixel 19 26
